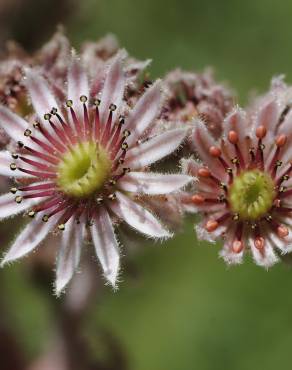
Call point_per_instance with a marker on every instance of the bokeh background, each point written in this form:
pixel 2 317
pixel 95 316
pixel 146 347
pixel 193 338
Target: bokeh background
pixel 178 307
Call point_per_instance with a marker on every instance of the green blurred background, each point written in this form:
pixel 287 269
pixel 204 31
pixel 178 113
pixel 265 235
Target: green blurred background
pixel 184 309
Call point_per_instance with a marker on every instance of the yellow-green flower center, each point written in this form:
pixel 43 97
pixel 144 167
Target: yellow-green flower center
pixel 84 169
pixel 251 195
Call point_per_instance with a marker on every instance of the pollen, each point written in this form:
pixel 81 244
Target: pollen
pixel 252 194
pixel 84 169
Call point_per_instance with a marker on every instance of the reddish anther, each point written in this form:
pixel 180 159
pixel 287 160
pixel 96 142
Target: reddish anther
pixel 211 225
pixel 259 243
pixel 282 231
pixel 261 132
pixel 237 246
pixel 204 172
pixel 197 199
pixel 233 137
pixel 281 140
pixel 215 151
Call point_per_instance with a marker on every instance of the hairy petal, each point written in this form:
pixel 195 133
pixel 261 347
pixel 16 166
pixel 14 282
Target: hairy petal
pixel 12 124
pixel 138 217
pixel 114 86
pixel 267 257
pixel 69 254
pixel 32 235
pixel 5 161
pixel 106 245
pixel 155 148
pixel 153 183
pixel 144 113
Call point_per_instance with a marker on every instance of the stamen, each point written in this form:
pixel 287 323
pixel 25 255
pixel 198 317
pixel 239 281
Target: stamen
pixel 211 225
pixel 282 231
pixel 197 199
pixel 237 246
pixel 259 243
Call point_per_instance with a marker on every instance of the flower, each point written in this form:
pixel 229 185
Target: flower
pixel 81 167
pixel 192 95
pixel 243 180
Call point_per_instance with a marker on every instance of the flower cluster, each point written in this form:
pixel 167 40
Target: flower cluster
pixel 80 135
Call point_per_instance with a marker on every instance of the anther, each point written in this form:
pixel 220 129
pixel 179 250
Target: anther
pixel 281 140
pixel 282 189
pixel 261 132
pixel 262 147
pixel 13 190
pixel 223 186
pixel 96 102
pixel 126 169
pixel 54 111
pixel 61 227
pixel 14 155
pixel 125 146
pixel 47 116
pixel 36 125
pixel 278 163
pixel 233 137
pixel 18 199
pixel 20 144
pixel 69 103
pixel 126 133
pixel 27 132
pixel 13 166
pixel 45 218
pixel 83 99
pixel 235 217
pixel 211 225
pixel 112 182
pixel 197 199
pixel 235 160
pixel 269 218
pixel 31 214
pixel 99 200
pixel 285 178
pixel 121 120
pixel 259 243
pixel 215 151
pixel 204 172
pixel 282 231
pixel 121 160
pixel 112 196
pixel 237 246
pixel 112 107
pixel 229 170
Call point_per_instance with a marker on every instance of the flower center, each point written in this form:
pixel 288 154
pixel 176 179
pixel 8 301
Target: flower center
pixel 84 169
pixel 251 195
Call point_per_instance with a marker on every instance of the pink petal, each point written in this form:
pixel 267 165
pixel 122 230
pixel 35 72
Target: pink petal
pixel 155 148
pixel 268 116
pixel 8 206
pixel 267 258
pixel 227 253
pixel 144 113
pixel 5 161
pixel 203 141
pixel 12 124
pixel 153 183
pixel 69 254
pixel 77 85
pixel 106 245
pixel 41 97
pixel 114 86
pixel 32 235
pixel 138 217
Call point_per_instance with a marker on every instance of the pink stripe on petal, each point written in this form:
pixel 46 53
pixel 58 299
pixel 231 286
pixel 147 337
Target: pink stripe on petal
pixel 106 245
pixel 113 89
pixel 5 162
pixel 153 183
pixel 138 217
pixel 155 148
pixel 144 112
pixel 69 254
pixel 32 235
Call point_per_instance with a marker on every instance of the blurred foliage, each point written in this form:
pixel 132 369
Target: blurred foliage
pixel 185 309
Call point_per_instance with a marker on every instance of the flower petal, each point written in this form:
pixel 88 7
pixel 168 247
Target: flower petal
pixel 41 97
pixel 114 86
pixel 153 183
pixel 144 113
pixel 69 254
pixel 32 235
pixel 267 257
pixel 8 206
pixel 12 124
pixel 106 245
pixel 203 142
pixel 138 217
pixel 229 256
pixel 5 161
pixel 77 85
pixel 155 148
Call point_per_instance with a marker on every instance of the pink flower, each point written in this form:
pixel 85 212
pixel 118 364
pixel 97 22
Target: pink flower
pixel 243 180
pixel 82 167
